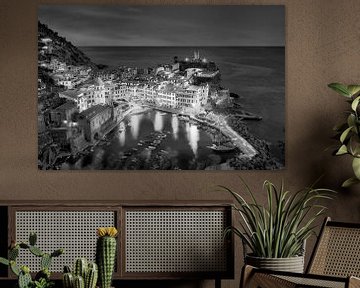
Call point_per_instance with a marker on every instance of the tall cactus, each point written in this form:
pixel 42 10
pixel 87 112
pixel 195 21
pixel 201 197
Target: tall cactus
pixel 106 254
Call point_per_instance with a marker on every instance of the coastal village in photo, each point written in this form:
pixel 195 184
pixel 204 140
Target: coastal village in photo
pixel 83 105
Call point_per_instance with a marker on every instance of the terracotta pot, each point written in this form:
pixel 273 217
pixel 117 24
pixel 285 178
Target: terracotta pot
pixel 291 264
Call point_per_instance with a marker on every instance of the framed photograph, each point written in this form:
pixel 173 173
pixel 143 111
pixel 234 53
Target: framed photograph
pixel 161 87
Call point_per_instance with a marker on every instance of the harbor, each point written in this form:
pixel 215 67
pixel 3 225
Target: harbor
pixel 156 140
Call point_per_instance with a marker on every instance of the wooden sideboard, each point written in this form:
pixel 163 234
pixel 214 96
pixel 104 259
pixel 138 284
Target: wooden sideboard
pixel 157 240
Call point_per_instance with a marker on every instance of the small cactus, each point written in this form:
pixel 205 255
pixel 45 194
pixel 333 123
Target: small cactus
pixel 80 267
pixel 67 269
pixel 68 280
pixel 24 278
pixel 91 276
pixel 45 261
pixel 79 282
pixel 106 254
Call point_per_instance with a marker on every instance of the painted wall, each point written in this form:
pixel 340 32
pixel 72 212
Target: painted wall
pixel 322 46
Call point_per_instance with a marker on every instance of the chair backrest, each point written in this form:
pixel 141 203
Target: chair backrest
pixel 337 251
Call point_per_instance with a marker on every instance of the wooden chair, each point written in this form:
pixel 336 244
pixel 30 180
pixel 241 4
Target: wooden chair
pixel 334 263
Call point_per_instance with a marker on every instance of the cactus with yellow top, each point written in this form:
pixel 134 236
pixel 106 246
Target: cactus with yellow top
pixel 42 278
pixel 106 254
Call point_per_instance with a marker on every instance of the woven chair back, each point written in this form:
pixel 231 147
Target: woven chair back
pixel 337 252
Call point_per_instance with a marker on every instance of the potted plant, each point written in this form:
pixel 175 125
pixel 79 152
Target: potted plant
pixel 276 233
pixel 84 274
pixel 349 132
pixel 42 278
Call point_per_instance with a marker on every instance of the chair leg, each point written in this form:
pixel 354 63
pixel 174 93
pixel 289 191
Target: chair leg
pixel 246 274
pixel 217 283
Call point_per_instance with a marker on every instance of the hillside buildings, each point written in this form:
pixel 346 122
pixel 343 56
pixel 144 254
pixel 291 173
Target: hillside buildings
pixel 93 103
pixel 69 76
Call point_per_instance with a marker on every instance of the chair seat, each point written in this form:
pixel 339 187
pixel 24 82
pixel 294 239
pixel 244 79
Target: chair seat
pixel 314 282
pixel 268 279
pixel 335 262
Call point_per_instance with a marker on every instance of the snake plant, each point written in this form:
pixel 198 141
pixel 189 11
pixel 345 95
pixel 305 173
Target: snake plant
pixel 279 228
pixel 349 131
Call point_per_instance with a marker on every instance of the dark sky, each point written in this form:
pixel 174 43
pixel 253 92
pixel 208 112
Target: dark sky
pixel 110 25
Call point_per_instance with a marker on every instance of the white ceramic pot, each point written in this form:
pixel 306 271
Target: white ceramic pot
pixel 291 264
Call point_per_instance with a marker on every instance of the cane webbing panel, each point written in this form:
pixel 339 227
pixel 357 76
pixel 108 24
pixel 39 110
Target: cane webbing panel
pixel 313 282
pixel 74 231
pixel 267 280
pixel 174 241
pixel 338 252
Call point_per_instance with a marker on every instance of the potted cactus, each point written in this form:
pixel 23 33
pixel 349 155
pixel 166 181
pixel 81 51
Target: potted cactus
pixel 106 254
pixel 84 275
pixel 42 278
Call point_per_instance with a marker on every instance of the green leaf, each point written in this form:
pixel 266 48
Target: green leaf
pixel 279 228
pixel 345 134
pixel 23 245
pixel 32 238
pixel 355 103
pixel 353 145
pixel 351 120
pixel 356 152
pixel 356 167
pixel 14 268
pixel 340 89
pixel 342 150
pixel 353 89
pixel 13 253
pixel 36 251
pixel 349 182
pixel 4 261
pixel 45 261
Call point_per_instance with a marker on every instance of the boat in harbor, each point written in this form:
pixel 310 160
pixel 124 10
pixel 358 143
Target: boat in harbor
pixel 222 148
pixel 245 115
pixel 184 118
